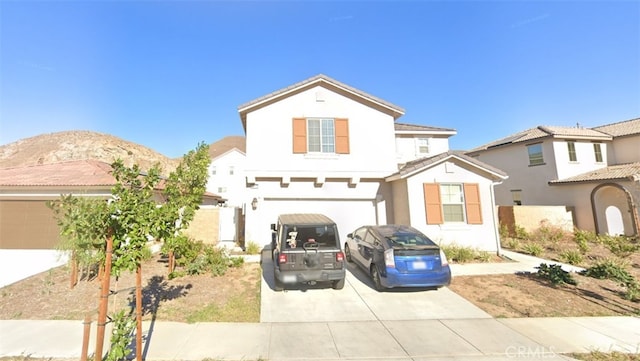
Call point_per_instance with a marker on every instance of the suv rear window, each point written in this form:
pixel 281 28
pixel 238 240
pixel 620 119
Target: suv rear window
pixel 322 235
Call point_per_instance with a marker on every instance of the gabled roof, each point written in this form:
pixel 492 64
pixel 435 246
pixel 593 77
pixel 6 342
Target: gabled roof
pixel 225 144
pixel 419 165
pixel 401 128
pixel 85 173
pixel 629 171
pixel 324 81
pixel 620 129
pixel 543 131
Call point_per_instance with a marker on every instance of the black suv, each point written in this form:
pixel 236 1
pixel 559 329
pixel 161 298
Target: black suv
pixel 306 249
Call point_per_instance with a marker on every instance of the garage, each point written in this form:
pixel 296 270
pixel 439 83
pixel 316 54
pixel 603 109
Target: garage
pixel 27 224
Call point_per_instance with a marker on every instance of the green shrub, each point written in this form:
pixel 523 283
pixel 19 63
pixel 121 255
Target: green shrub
pixel 555 274
pixel 621 246
pixel 513 243
pixel 503 231
pixel 548 235
pixel 533 249
pixel 583 238
pixel 458 254
pixel 252 248
pixel 616 270
pixel 571 257
pixel 521 233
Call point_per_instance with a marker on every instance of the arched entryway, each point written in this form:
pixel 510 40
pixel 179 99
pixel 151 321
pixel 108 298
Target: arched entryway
pixel 612 210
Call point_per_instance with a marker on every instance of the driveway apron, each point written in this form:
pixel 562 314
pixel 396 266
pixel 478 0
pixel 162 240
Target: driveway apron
pixel 358 301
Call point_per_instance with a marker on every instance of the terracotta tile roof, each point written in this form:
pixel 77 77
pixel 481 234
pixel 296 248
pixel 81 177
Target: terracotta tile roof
pixel 227 143
pixel 71 173
pixel 310 82
pixel 629 171
pixel 543 132
pixel 619 129
pixel 402 127
pixel 422 163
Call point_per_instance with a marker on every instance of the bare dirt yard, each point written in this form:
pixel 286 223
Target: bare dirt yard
pixel 232 297
pixel 235 296
pixel 528 295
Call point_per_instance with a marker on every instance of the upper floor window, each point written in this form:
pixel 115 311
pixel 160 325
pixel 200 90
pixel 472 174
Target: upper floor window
pixel 597 151
pixel 571 147
pixel 222 189
pixel 535 154
pixel 422 146
pixel 213 170
pixel 321 135
pixel 231 170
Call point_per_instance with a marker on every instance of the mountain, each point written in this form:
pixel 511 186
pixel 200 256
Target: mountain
pixel 77 145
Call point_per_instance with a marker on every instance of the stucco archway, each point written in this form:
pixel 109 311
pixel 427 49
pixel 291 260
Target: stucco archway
pixel 608 199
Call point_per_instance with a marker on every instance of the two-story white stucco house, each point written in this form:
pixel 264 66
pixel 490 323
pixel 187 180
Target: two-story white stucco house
pixel 226 170
pixel 322 146
pixel 594 170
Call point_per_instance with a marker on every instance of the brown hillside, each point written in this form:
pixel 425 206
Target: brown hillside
pixel 77 145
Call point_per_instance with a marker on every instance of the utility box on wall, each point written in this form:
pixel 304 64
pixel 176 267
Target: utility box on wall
pixel 531 218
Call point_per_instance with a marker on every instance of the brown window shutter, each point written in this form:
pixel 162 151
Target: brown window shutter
pixel 299 135
pixel 342 135
pixel 472 203
pixel 432 203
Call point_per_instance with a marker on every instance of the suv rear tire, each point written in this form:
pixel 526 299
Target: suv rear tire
pixel 338 285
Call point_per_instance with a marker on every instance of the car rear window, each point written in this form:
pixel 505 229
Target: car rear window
pixel 410 239
pixel 322 235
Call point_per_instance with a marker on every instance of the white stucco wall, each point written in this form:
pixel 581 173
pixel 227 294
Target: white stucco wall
pixel 270 140
pixel 585 158
pixel 234 185
pixel 483 236
pixel 407 146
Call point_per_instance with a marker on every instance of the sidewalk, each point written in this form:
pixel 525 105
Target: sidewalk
pixel 457 339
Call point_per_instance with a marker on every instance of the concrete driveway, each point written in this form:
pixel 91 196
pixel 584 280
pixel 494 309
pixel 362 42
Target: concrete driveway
pixel 358 301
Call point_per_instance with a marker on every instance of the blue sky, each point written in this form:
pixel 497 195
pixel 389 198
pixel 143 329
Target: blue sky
pixel 171 74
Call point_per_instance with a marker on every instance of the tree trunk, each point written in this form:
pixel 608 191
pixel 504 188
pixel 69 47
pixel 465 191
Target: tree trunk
pixel 172 261
pixel 139 313
pixel 74 270
pixel 104 298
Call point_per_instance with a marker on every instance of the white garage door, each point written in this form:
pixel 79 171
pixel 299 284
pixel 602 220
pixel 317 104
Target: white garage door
pixel 348 215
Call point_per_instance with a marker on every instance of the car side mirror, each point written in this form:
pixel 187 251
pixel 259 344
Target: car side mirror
pixel 350 235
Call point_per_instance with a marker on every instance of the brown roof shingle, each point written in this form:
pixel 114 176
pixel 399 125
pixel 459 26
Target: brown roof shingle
pixel 619 129
pixel 227 143
pixel 71 173
pixel 629 171
pixel 421 128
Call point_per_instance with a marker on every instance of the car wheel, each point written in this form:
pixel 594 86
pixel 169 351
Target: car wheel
pixel 347 253
pixel 375 275
pixel 338 285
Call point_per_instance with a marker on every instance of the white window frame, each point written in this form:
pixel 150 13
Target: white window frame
pixel 231 170
pixel 213 170
pixel 571 149
pixel 324 141
pixel 516 196
pixel 421 144
pixel 447 199
pixel 597 152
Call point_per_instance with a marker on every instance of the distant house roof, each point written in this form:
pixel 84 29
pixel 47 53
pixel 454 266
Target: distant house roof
pixel 620 129
pixel 225 144
pixel 324 81
pixel 415 128
pixel 541 132
pixel 421 164
pixel 75 174
pixel 72 173
pixel 629 171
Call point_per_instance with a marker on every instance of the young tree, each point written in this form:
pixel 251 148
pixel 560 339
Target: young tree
pixel 183 194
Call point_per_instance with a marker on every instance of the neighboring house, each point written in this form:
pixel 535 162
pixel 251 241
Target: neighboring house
pixel 322 146
pixel 226 171
pixel 596 171
pixel 29 232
